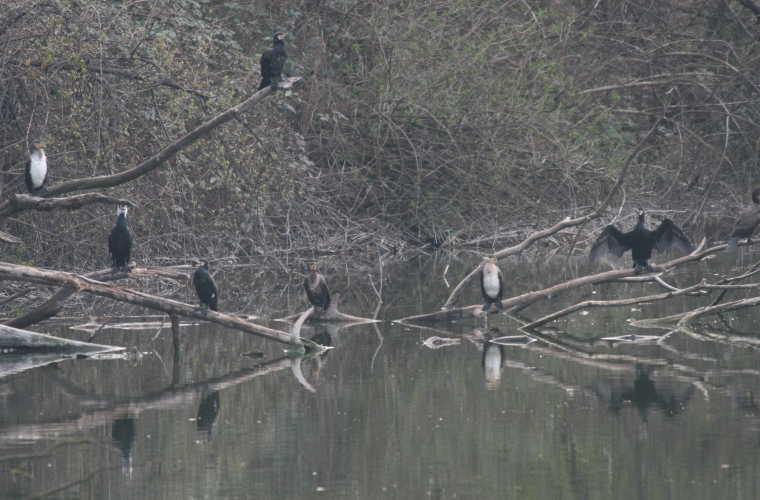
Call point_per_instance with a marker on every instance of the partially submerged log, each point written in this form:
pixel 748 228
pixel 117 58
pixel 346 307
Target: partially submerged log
pixel 55 303
pixel 169 306
pixel 521 301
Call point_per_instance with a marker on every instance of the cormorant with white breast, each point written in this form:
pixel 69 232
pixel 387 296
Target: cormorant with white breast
pixel 491 284
pixel 120 241
pixel 205 286
pixel 36 169
pixel 748 221
pixel 273 61
pixel 640 241
pixel 316 288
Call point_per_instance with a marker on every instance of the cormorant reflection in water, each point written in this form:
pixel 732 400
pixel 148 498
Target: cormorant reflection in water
pixel 208 410
pixel 123 435
pixel 643 394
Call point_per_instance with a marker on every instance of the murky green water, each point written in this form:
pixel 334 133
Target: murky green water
pixel 392 418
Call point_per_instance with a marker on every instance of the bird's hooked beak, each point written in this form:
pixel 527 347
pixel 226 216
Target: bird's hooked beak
pixel 280 35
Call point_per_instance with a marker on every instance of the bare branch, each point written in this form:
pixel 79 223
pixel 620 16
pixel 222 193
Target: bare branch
pixel 23 202
pixel 106 181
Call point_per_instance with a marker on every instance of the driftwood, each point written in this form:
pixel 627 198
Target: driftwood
pixel 567 222
pixel 521 301
pixel 171 307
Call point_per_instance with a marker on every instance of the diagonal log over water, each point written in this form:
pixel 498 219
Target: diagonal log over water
pixel 57 278
pixel 528 298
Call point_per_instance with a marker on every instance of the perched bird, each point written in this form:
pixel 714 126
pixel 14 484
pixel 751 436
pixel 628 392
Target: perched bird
pixel 205 286
pixel 273 61
pixel 491 284
pixel 640 241
pixel 748 221
pixel 120 241
pixel 36 169
pixel 316 288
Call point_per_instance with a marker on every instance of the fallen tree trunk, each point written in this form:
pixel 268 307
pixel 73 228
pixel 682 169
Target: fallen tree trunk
pixel 521 301
pixel 81 284
pixel 55 303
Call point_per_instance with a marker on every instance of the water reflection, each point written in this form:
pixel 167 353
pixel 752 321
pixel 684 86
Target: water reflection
pixel 123 436
pixel 642 394
pixel 485 413
pixel 208 410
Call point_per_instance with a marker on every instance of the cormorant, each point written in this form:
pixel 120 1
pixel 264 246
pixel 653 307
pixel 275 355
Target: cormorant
pixel 36 169
pixel 640 241
pixel 273 61
pixel 748 221
pixel 120 241
pixel 491 284
pixel 205 286
pixel 316 288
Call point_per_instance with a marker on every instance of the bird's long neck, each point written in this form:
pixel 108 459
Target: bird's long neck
pixel 121 220
pixel 38 154
pixel 278 46
pixel 641 224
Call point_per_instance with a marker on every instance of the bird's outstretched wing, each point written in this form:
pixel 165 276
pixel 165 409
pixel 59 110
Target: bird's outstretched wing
pixel 610 242
pixel 668 235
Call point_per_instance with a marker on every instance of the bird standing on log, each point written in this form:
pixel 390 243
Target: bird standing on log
pixel 205 286
pixel 316 288
pixel 491 284
pixel 748 221
pixel 640 241
pixel 120 241
pixel 273 61
pixel 36 169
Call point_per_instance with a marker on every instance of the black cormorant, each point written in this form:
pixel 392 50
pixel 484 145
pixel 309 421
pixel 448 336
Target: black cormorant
pixel 205 286
pixel 273 62
pixel 640 241
pixel 120 241
pixel 491 284
pixel 316 288
pixel 748 221
pixel 36 169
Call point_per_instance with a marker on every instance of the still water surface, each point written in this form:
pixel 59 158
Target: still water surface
pixel 392 418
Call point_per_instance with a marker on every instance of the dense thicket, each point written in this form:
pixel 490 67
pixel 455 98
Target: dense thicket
pixel 416 119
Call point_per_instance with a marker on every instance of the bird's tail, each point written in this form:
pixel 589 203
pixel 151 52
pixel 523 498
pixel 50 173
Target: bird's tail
pixel 731 245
